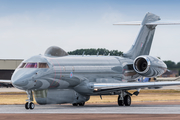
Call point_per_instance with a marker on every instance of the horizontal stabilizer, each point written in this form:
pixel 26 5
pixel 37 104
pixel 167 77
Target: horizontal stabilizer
pixel 164 23
pixel 150 23
pixel 142 45
pixel 128 23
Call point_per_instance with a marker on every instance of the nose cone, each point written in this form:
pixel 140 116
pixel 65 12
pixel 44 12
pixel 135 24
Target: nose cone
pixel 21 78
pixel 20 82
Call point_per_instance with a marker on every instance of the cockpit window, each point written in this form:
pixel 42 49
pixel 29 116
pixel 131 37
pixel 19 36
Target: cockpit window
pixel 34 65
pixel 31 65
pixel 22 65
pixel 43 65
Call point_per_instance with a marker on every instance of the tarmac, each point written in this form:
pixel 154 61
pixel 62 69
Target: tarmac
pixel 137 111
pixel 137 108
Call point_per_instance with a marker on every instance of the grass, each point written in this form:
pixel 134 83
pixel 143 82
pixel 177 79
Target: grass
pixel 144 96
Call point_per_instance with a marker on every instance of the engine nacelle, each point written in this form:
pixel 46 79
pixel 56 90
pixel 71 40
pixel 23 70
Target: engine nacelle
pixel 60 96
pixel 149 66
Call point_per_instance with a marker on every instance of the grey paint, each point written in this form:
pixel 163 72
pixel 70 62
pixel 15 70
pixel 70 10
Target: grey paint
pixel 144 40
pixel 154 67
pixel 72 79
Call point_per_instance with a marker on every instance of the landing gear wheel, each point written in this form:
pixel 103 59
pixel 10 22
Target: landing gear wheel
pixel 31 106
pixel 27 105
pixel 127 100
pixel 120 102
pixel 75 104
pixel 81 104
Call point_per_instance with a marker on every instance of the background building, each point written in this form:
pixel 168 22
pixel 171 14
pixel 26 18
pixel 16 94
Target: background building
pixel 170 73
pixel 7 67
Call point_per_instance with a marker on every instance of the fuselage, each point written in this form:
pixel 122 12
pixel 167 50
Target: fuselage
pixel 69 71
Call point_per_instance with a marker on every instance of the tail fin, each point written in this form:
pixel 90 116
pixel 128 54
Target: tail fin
pixel 144 40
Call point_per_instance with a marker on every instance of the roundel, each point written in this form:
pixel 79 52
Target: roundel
pixel 71 74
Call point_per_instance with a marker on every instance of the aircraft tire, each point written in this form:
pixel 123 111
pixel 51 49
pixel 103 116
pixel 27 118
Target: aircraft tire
pixel 27 105
pixel 127 100
pixel 120 102
pixel 31 106
pixel 81 104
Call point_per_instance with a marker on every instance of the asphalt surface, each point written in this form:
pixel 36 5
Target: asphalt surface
pixel 96 109
pixel 137 111
pixel 89 116
pixel 107 111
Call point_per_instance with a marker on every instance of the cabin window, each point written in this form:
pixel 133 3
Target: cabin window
pixel 43 65
pixel 22 65
pixel 31 65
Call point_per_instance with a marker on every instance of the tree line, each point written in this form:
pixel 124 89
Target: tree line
pixel 99 51
pixel 172 65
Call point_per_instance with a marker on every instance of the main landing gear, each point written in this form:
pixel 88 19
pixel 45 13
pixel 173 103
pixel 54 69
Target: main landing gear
pixel 80 104
pixel 29 104
pixel 124 99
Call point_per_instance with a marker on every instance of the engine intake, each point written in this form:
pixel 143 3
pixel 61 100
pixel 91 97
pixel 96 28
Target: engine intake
pixel 141 65
pixel 149 66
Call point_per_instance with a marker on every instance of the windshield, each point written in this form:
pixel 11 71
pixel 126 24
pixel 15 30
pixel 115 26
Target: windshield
pixel 34 65
pixel 22 65
pixel 31 65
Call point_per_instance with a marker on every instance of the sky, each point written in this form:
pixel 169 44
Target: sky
pixel 28 28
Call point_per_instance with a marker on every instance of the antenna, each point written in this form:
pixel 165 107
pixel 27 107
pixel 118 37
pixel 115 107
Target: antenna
pixel 83 53
pixel 98 53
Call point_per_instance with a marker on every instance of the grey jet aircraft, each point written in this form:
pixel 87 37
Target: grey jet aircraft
pixel 57 78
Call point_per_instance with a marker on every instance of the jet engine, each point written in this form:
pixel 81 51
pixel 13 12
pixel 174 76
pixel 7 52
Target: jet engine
pixel 148 66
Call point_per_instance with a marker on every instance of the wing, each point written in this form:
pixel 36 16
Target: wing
pixel 112 87
pixel 5 81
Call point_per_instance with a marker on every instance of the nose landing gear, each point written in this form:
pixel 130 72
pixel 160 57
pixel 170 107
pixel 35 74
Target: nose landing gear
pixel 29 104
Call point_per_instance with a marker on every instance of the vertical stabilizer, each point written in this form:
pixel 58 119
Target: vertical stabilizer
pixel 144 40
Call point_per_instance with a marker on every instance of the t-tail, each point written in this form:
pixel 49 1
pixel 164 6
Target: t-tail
pixel 142 45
